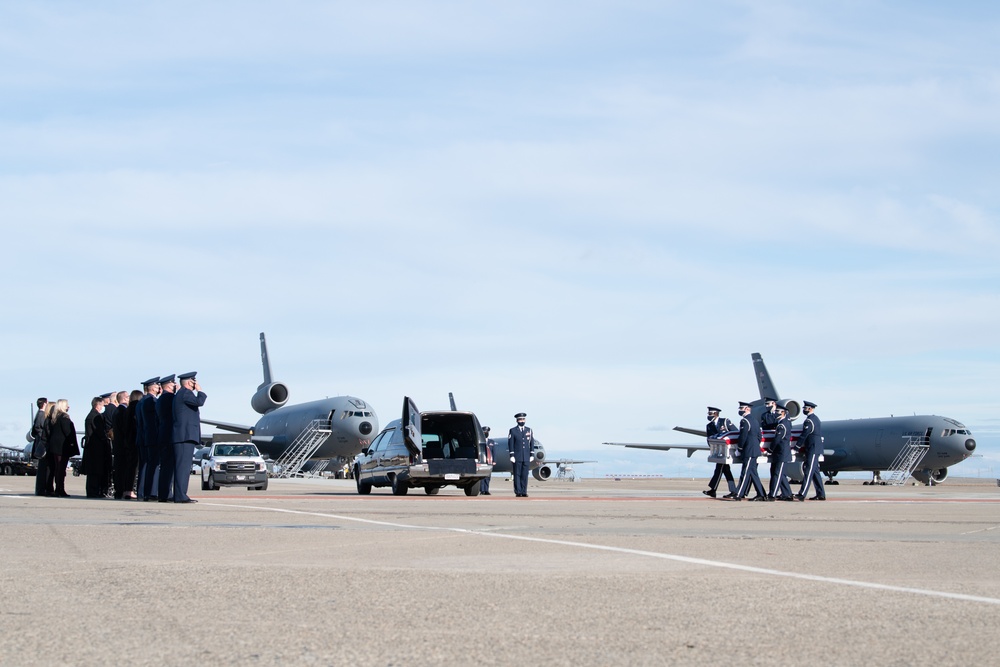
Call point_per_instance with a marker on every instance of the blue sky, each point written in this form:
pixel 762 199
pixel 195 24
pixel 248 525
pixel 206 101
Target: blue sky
pixel 591 211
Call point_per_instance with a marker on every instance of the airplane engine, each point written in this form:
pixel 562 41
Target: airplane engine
pixel 543 472
pixel 539 454
pixel 269 397
pixel 793 408
pixel 930 476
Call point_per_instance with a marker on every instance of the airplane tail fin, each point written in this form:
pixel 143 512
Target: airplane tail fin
pixel 764 383
pixel 451 399
pixel 265 361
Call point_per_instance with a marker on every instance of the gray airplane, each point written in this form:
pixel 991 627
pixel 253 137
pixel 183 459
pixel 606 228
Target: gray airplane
pixel 861 444
pixel 351 421
pixel 542 469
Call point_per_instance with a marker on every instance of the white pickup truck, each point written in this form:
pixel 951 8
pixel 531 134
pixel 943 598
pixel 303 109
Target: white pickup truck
pixel 233 464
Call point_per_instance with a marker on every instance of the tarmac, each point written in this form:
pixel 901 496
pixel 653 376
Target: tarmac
pixel 596 572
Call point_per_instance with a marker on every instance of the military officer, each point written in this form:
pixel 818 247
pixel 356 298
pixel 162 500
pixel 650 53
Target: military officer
pixel 781 455
pixel 521 446
pixel 186 432
pixel 146 437
pixel 769 418
pixel 165 439
pixel 812 447
pixel 716 425
pixel 484 486
pixel 749 446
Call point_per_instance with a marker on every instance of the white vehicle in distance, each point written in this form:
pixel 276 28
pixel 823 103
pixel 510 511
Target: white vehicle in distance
pixel 233 464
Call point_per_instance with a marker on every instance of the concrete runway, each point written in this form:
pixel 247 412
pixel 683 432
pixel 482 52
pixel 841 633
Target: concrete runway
pixel 601 572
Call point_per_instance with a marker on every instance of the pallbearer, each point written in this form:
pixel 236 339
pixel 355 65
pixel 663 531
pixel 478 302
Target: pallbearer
pixel 781 455
pixel 812 447
pixel 749 446
pixel 716 425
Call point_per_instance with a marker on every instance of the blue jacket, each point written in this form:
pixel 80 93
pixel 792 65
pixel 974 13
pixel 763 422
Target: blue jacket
pixel 148 420
pixel 781 449
pixel 749 442
pixel 521 444
pixel 187 418
pixel 812 436
pixel 165 419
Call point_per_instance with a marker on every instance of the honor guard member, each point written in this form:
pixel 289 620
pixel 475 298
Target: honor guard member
pixel 521 446
pixel 769 418
pixel 187 432
pixel 812 446
pixel 165 439
pixel 484 486
pixel 145 419
pixel 716 425
pixel 781 455
pixel 749 446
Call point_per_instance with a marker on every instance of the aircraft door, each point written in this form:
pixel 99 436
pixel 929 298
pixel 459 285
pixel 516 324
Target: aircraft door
pixel 411 426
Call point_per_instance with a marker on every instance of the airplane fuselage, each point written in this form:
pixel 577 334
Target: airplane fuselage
pixel 352 424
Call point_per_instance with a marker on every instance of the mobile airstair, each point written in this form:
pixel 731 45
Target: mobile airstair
pixel 304 446
pixel 909 457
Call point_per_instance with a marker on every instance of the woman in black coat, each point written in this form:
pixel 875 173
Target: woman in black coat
pixel 61 445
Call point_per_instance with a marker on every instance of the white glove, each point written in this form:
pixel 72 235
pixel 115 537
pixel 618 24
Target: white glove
pixel 531 459
pixel 511 458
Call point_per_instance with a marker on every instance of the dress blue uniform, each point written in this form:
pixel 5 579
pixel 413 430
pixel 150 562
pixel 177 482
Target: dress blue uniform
pixel 484 486
pixel 781 455
pixel 521 446
pixel 769 418
pixel 145 416
pixel 186 434
pixel 715 426
pixel 164 438
pixel 812 448
pixel 749 446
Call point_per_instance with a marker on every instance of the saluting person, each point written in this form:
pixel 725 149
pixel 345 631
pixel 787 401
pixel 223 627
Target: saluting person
pixel 749 446
pixel 812 448
pixel 521 446
pixel 781 454
pixel 186 433
pixel 769 418
pixel 716 425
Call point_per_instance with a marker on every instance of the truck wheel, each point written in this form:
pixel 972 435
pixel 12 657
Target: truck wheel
pixel 211 482
pixel 472 489
pixel 263 487
pixel 399 488
pixel 432 490
pixel 204 485
pixel 7 469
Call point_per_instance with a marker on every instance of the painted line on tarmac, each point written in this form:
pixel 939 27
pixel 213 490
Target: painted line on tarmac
pixel 638 552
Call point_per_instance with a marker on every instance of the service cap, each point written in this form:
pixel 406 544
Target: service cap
pixel 711 409
pixel 744 404
pixel 520 415
pixel 187 376
pixel 167 378
pixel 808 404
pixel 769 399
pixel 151 381
pixel 107 395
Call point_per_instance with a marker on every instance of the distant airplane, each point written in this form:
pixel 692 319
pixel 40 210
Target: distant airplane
pixel 861 444
pixel 351 421
pixel 541 469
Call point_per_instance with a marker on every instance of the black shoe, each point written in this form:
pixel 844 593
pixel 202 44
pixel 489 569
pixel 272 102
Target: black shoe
pixel 770 499
pixel 799 497
pixel 787 499
pixel 736 499
pixel 189 500
pixel 710 493
pixel 487 493
pixel 818 498
pixel 729 495
pixel 758 499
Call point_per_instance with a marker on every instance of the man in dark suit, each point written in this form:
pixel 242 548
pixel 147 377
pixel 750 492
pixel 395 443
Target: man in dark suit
pixel 781 455
pixel 521 447
pixel 716 425
pixel 96 462
pixel 812 447
pixel 749 446
pixel 123 445
pixel 186 432
pixel 145 417
pixel 165 438
pixel 43 476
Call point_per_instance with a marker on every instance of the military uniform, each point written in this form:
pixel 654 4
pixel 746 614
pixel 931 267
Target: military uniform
pixel 484 486
pixel 142 449
pixel 812 448
pixel 150 438
pixel 164 441
pixel 186 435
pixel 716 426
pixel 521 446
pixel 781 455
pixel 749 446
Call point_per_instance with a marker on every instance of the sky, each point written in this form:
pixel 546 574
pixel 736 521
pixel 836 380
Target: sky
pixel 593 212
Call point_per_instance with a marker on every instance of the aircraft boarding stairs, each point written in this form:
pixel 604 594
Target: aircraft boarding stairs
pixel 907 460
pixel 305 445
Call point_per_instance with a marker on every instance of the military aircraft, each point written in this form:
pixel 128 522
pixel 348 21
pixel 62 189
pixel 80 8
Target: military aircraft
pixel 861 444
pixel 541 469
pixel 350 421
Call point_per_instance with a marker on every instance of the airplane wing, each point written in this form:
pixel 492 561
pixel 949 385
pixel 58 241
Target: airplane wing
pixel 691 449
pixel 226 426
pixel 566 462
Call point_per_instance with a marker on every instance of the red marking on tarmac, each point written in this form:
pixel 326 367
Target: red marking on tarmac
pixel 424 498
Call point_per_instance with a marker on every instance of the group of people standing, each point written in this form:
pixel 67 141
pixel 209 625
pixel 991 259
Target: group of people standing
pixel 137 445
pixel 774 418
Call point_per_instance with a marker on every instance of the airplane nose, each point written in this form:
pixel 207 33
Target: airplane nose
pixel 365 428
pixel 970 445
